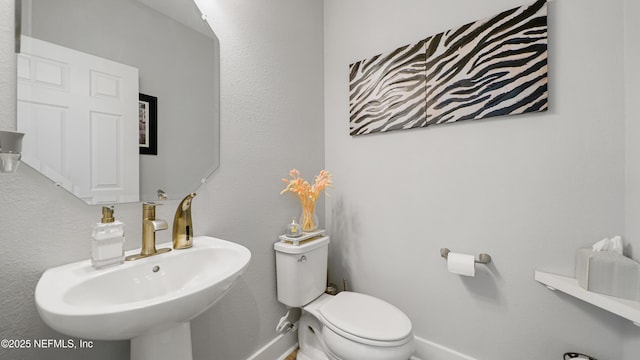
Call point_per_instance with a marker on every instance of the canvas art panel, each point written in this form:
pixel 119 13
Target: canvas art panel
pixel 491 67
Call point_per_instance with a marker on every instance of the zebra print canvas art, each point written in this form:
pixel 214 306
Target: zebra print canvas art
pixel 388 91
pixel 496 66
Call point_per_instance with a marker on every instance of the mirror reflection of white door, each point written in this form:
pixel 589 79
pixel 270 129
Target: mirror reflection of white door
pixel 78 108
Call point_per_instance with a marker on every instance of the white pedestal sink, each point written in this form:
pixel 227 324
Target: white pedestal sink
pixel 150 301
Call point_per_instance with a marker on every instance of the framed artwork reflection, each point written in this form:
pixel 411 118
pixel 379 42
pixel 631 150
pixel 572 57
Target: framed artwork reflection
pixel 148 124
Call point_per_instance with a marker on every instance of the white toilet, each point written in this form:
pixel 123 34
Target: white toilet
pixel 347 326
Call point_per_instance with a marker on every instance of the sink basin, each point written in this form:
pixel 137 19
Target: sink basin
pixel 140 299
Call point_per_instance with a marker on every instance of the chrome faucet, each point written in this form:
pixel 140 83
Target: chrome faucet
pixel 182 224
pixel 149 227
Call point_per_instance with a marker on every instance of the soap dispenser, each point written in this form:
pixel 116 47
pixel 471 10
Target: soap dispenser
pixel 183 225
pixel 107 244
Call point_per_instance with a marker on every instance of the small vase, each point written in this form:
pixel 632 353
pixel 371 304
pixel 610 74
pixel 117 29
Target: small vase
pixel 308 218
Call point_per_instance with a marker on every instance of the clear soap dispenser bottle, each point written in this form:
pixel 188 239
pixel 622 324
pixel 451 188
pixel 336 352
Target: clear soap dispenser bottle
pixel 107 244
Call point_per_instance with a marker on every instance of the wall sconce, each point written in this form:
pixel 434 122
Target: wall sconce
pixel 10 150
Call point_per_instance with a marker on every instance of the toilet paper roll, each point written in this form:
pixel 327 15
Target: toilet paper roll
pixel 462 264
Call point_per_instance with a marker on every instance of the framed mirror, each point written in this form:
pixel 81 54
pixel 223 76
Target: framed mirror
pixel 87 70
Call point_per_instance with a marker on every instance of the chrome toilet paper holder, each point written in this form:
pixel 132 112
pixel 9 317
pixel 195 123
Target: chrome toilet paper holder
pixel 482 258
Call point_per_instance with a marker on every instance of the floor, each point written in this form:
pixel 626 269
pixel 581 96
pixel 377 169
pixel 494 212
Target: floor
pixel 292 356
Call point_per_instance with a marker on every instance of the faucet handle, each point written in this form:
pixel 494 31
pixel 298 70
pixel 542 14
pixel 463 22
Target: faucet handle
pixel 149 210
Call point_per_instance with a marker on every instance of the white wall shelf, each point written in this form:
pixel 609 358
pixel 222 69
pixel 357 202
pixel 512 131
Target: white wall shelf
pixel 627 309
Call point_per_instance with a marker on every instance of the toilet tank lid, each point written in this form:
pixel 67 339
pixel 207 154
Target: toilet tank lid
pixel 366 317
pixel 303 247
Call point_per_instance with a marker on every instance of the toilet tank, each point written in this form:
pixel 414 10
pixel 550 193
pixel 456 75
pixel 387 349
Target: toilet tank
pixel 301 270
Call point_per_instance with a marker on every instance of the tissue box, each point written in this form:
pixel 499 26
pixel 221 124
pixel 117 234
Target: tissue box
pixel 608 273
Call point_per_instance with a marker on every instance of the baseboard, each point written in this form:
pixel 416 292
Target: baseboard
pixel 428 350
pixel 284 344
pixel 278 348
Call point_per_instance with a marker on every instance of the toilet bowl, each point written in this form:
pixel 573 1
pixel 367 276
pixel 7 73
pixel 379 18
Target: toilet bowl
pixel 347 326
pixel 353 326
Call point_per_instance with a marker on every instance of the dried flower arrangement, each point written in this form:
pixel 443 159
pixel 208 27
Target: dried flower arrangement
pixel 308 194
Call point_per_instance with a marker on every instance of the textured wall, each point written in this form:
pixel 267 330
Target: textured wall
pixel 272 120
pixel 8 62
pixel 632 79
pixel 529 189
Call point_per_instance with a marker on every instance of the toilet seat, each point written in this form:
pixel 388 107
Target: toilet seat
pixel 366 320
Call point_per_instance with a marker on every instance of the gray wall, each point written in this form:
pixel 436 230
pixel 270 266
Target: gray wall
pixel 272 120
pixel 8 63
pixel 529 190
pixel 631 347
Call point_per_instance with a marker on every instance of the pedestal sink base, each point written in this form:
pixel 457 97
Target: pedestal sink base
pixel 171 344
